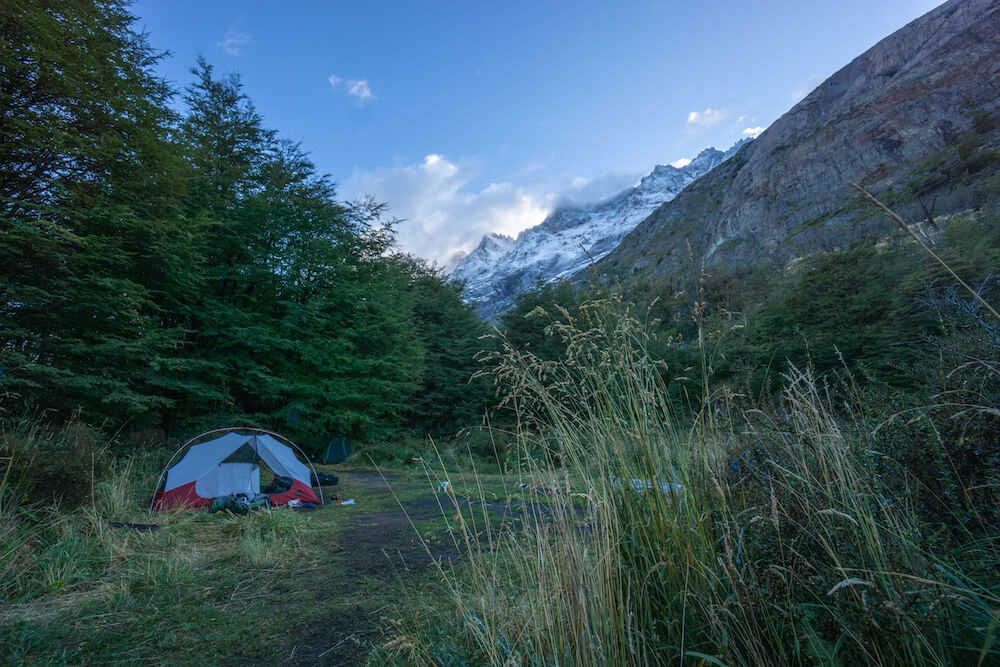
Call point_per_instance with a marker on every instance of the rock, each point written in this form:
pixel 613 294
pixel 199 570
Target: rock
pixel 786 194
pixel 572 237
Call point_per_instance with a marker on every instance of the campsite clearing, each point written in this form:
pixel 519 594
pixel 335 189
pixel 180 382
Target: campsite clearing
pixel 279 587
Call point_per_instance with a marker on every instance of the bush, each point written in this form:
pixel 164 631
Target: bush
pixel 53 464
pixel 774 538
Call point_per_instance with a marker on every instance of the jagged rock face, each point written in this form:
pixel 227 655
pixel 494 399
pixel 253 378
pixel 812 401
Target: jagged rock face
pixel 787 193
pixel 483 258
pixel 569 239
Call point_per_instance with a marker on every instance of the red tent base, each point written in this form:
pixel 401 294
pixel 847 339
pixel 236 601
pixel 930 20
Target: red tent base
pixel 299 490
pixel 185 497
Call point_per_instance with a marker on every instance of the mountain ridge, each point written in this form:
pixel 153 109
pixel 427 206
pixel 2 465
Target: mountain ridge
pixel 571 237
pixel 910 97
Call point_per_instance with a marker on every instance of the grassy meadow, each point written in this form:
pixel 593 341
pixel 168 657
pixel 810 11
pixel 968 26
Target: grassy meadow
pixel 84 581
pixel 793 535
pixel 836 520
pixel 596 519
pixel 609 511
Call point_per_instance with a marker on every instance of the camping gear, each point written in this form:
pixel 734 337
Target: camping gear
pixel 230 465
pixel 321 478
pixel 338 449
pixel 239 503
pixel 236 503
pixel 279 484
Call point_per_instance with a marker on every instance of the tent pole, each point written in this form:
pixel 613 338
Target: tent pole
pixel 167 467
pixel 319 487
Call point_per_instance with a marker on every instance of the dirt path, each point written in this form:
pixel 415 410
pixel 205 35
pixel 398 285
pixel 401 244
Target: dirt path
pixel 366 556
pixel 376 551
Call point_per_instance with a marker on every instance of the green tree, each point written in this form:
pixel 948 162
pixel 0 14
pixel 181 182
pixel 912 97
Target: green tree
pixel 304 319
pixel 90 245
pixel 526 324
pixel 448 397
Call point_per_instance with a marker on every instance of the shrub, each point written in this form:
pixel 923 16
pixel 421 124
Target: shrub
pixel 53 464
pixel 765 539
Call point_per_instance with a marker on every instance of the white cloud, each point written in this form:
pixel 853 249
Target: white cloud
pixel 234 42
pixel 360 90
pixel 357 88
pixel 753 132
pixel 683 162
pixel 702 120
pixel 588 190
pixel 446 215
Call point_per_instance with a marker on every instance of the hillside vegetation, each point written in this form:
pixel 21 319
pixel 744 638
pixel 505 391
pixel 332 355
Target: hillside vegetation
pixel 781 457
pixel 162 272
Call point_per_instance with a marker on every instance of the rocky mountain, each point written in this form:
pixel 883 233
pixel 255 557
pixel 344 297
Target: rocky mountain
pixel 483 259
pixel 571 237
pixel 913 119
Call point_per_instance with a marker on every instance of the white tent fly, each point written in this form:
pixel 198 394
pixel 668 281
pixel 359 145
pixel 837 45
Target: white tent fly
pixel 230 464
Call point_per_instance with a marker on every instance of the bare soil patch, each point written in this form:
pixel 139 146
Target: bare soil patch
pixel 375 550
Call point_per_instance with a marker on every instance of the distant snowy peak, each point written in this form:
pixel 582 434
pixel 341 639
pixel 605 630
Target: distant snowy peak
pixel 484 257
pixel 571 237
pixel 494 245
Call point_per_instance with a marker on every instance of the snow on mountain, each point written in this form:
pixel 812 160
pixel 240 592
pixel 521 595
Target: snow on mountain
pixel 571 237
pixel 486 255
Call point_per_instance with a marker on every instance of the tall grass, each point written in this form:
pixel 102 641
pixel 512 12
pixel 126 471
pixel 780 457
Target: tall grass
pixel 747 538
pixel 59 558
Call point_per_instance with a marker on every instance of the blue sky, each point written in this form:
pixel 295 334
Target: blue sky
pixel 475 117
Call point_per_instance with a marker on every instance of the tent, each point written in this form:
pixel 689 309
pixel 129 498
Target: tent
pixel 230 464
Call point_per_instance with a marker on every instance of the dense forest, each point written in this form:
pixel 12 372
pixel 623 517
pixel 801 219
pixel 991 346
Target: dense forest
pixel 169 263
pixel 166 271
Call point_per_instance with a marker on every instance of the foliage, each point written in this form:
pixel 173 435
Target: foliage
pixel 185 271
pixel 448 394
pixel 301 313
pixel 844 306
pixel 865 308
pixel 88 233
pixel 526 324
pixel 948 451
pixel 773 538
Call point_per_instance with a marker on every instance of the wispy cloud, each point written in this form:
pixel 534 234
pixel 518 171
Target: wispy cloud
pixel 683 162
pixel 588 190
pixel 446 213
pixel 753 132
pixel 234 42
pixel 702 120
pixel 357 88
